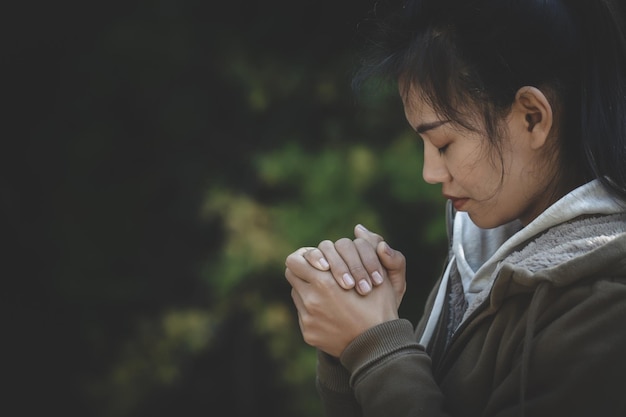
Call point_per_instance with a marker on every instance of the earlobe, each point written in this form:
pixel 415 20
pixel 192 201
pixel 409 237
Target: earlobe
pixel 537 112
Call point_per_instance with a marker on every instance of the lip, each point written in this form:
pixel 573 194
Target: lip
pixel 457 202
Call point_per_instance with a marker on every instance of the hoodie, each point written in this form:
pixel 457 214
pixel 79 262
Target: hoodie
pixel 542 331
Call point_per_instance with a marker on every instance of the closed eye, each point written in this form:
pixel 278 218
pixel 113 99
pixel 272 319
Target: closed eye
pixel 443 149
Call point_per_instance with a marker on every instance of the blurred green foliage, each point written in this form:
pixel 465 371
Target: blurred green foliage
pixel 170 155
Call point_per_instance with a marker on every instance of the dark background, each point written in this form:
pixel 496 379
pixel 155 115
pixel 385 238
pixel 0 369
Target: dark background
pixel 135 134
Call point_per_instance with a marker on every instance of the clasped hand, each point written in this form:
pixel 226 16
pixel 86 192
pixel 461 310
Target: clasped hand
pixel 342 289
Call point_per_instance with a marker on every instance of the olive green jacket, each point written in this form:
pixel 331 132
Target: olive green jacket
pixel 548 340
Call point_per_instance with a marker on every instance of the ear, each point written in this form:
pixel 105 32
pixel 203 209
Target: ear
pixel 534 112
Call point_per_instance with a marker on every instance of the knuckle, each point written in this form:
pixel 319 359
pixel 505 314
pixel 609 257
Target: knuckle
pixel 358 271
pixel 314 307
pixel 362 243
pixel 343 242
pixel 327 283
pixel 311 253
pixel 325 244
pixel 376 237
pixel 290 260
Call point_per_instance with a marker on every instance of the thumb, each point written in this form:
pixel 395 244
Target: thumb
pixel 395 264
pixel 362 232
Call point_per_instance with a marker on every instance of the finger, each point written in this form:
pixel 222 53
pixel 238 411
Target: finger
pixel 315 257
pixel 372 264
pixel 301 310
pixel 370 260
pixel 294 279
pixel 303 250
pixel 362 232
pixel 395 266
pixel 300 267
pixel 298 302
pixel 338 266
pixel 391 259
pixel 350 254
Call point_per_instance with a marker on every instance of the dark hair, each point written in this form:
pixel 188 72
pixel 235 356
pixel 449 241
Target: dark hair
pixel 477 54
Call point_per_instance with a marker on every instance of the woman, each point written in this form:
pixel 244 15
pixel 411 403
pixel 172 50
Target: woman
pixel 521 107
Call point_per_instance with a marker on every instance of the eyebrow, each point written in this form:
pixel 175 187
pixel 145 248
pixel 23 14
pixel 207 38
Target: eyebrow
pixel 425 127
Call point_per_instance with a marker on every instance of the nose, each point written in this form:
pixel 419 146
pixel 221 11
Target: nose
pixel 434 170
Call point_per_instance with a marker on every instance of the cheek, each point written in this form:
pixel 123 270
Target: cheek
pixel 481 178
pixel 468 166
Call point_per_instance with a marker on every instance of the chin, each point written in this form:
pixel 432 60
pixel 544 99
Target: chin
pixel 485 223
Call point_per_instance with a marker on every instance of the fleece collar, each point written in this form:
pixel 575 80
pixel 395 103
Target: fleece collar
pixel 568 241
pixel 479 252
pixel 591 199
pixel 553 233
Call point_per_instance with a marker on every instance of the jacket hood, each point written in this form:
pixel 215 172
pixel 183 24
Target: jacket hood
pixel 572 250
pixel 583 232
pixel 587 224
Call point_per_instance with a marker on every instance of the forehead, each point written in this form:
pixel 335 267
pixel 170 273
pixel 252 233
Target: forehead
pixel 417 108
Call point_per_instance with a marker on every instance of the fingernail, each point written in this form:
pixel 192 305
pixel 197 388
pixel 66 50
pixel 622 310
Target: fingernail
pixel 388 250
pixel 348 280
pixel 324 263
pixel 378 279
pixel 364 286
pixel 360 226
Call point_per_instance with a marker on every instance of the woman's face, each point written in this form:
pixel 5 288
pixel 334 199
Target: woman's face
pixel 493 188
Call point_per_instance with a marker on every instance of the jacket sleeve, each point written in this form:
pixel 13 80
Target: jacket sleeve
pixel 389 376
pixel 333 386
pixel 383 372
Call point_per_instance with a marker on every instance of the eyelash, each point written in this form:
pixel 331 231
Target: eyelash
pixel 443 149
